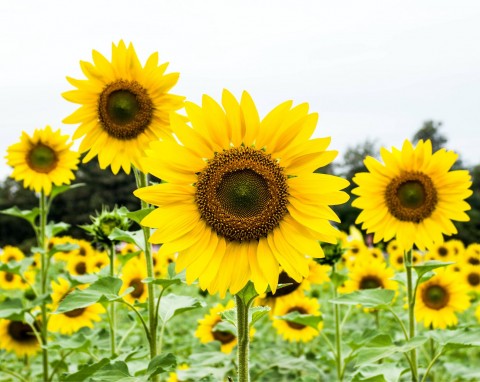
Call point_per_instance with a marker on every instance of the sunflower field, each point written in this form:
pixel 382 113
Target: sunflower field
pixel 233 266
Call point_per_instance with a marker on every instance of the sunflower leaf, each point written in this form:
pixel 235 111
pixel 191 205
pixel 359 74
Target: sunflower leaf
pixel 256 313
pixel 66 247
pixel 369 298
pixel 165 283
pixel 133 237
pixel 53 229
pixel 230 315
pixel 28 215
pixel 248 293
pixel 302 319
pixel 428 266
pixel 456 339
pixel 17 267
pixel 11 309
pixel 172 305
pixel 161 364
pixel 86 372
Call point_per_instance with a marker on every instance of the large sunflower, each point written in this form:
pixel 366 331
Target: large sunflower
pixel 124 106
pixel 293 331
pixel 241 198
pixel 412 195
pixel 72 321
pixel 18 337
pixel 439 298
pixel 42 160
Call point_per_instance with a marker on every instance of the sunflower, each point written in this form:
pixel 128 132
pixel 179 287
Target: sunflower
pixel 439 298
pixel 241 198
pixel 471 276
pixel 369 275
pixel 72 321
pixel 63 255
pixel 78 265
pixel 456 247
pixel 98 261
pixel 18 336
pixel 42 160
pixel 412 196
pixel 472 254
pixel 10 281
pixel 207 332
pixel 124 106
pixel 10 253
pixel 293 331
pixel 132 275
pixel 440 252
pixel 393 247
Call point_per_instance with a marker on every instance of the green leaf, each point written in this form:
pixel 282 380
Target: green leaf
pixel 173 305
pixel 165 283
pixel 256 313
pixel 17 267
pixel 302 319
pixel 428 266
pixel 11 309
pixel 28 215
pixel 225 326
pixel 53 229
pixel 86 372
pixel 113 372
pixel 67 247
pixel 456 339
pixel 230 315
pixel 248 293
pixel 76 342
pixel 161 364
pixel 338 278
pixel 369 298
pixel 133 237
pixel 57 190
pixel 137 216
pixel 104 289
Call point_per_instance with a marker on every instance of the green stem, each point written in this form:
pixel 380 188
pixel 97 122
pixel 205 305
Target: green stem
pixel 329 343
pixel 338 338
pixel 404 329
pixel 142 181
pixel 44 276
pixel 13 374
pixel 113 350
pixel 411 312
pixel 243 339
pixel 434 359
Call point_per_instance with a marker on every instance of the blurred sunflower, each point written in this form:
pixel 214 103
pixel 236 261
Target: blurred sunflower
pixel 440 252
pixel 78 265
pixel 42 160
pixel 393 247
pixel 73 321
pixel 124 106
pixel 439 298
pixel 456 247
pixel 369 275
pixel 471 276
pixel 412 196
pixel 293 331
pixel 10 253
pixel 10 281
pixel 472 254
pixel 18 337
pixel 241 198
pixel 207 330
pixel 98 261
pixel 132 275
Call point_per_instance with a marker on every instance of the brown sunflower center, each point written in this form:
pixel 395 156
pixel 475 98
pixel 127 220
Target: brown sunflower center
pixel 296 325
pixel 411 197
pixel 125 109
pixel 435 297
pixel 21 332
pixel 474 260
pixel 442 251
pixel 81 268
pixel 284 278
pixel 242 194
pixel 473 279
pixel 42 158
pixel 75 312
pixel 370 282
pixel 138 286
pixel 9 277
pixel 223 336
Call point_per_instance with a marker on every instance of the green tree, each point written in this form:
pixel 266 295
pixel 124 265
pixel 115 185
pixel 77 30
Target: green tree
pixel 431 130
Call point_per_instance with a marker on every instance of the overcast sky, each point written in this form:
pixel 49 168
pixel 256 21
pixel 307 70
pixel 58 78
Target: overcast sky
pixel 371 69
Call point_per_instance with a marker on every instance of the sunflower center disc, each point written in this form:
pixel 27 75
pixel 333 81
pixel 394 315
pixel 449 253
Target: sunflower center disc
pixel 42 158
pixel 370 282
pixel 296 325
pixel 21 332
pixel 411 197
pixel 81 268
pixel 284 278
pixel 242 194
pixel 75 312
pixel 139 287
pixel 442 251
pixel 125 109
pixel 473 279
pixel 435 297
pixel 223 336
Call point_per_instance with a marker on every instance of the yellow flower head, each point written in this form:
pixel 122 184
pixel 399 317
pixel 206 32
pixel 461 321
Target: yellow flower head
pixel 412 196
pixel 241 198
pixel 471 276
pixel 369 275
pixel 293 331
pixel 42 160
pixel 18 337
pixel 124 106
pixel 472 254
pixel 10 253
pixel 439 298
pixel 132 275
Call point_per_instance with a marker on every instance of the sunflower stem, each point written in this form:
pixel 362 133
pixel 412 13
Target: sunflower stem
pixel 44 275
pixel 411 312
pixel 142 181
pixel 243 339
pixel 111 250
pixel 338 338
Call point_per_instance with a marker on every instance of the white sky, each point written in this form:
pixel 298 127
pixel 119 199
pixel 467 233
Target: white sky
pixel 371 69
